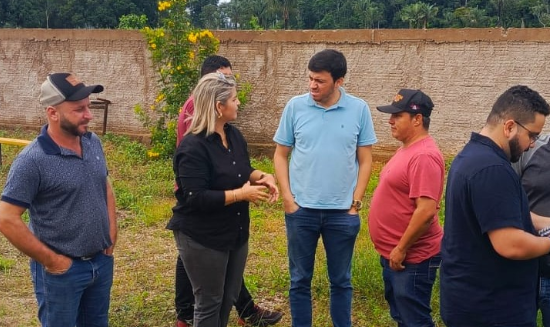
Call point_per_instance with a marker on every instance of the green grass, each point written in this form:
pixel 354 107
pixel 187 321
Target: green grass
pixel 6 264
pixel 143 292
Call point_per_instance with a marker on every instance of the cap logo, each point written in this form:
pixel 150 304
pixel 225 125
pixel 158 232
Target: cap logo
pixel 72 80
pixel 409 100
pixel 398 97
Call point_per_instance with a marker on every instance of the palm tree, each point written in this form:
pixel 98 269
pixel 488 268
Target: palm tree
pixel 368 12
pixel 286 8
pixel 428 12
pixel 413 14
pixel 210 17
pixel 230 14
pixel 417 14
pixel 499 5
pixel 259 9
pixel 541 12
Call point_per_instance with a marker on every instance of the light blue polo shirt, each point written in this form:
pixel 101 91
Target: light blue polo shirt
pixel 323 165
pixel 66 194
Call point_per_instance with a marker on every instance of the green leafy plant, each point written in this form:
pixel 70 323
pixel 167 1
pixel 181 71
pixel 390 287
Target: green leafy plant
pixel 177 51
pixel 6 264
pixel 243 92
pixel 255 24
pixel 132 22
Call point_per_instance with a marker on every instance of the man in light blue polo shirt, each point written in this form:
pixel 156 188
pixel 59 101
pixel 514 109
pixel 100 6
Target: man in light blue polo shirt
pixel 61 179
pixel 329 134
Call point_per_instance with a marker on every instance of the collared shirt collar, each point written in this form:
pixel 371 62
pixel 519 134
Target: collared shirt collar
pixel 48 144
pixel 476 137
pixel 215 136
pixel 341 102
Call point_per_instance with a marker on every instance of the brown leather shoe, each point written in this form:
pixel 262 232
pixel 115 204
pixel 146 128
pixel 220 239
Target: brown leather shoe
pixel 261 318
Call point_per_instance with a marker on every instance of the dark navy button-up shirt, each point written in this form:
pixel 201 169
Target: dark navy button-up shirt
pixel 478 286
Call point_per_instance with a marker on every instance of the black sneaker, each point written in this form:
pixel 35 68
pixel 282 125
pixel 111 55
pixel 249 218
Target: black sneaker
pixel 261 318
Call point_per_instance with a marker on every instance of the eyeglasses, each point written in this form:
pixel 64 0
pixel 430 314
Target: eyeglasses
pixel 533 136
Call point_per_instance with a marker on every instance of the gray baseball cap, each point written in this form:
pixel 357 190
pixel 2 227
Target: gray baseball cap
pixel 60 87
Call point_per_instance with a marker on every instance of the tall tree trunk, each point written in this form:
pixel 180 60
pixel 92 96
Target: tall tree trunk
pixel 285 17
pixel 500 12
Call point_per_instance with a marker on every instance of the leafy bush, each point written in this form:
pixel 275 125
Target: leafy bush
pixel 177 51
pixel 132 22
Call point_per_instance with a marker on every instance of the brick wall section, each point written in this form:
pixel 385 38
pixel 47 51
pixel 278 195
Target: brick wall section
pixel 116 59
pixel 463 70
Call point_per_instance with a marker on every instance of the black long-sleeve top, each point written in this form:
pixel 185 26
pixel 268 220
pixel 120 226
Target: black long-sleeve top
pixel 204 169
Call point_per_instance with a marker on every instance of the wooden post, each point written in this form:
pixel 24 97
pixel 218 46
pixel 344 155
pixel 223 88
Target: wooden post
pixel 102 104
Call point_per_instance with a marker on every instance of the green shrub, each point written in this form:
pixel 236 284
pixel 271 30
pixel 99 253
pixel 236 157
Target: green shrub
pixel 177 51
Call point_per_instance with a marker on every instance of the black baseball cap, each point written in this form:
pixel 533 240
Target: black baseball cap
pixel 59 87
pixel 413 101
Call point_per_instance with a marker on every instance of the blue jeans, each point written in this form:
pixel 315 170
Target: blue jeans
pixel 79 297
pixel 409 291
pixel 544 300
pixel 339 231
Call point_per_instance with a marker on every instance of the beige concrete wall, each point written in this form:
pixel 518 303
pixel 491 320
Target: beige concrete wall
pixel 463 70
pixel 117 59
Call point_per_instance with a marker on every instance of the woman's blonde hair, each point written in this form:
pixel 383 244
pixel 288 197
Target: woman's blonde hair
pixel 212 88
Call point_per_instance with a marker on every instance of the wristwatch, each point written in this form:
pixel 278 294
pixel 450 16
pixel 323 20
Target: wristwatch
pixel 357 204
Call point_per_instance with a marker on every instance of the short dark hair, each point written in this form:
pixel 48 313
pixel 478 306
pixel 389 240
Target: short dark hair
pixel 213 63
pixel 519 103
pixel 329 60
pixel 425 120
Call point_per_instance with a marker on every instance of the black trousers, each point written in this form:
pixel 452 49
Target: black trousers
pixel 185 300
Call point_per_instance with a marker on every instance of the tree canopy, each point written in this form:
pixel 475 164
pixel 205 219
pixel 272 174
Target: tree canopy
pixel 281 14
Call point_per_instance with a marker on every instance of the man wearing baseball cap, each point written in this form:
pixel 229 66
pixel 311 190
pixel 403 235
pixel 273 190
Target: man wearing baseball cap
pixel 61 179
pixel 403 221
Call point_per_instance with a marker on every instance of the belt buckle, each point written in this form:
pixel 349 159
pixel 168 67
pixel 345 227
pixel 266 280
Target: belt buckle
pixel 88 257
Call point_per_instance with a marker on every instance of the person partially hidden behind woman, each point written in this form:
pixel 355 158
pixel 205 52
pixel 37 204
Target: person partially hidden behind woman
pixel 215 183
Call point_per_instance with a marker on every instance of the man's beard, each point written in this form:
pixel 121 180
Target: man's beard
pixel 515 149
pixel 71 128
